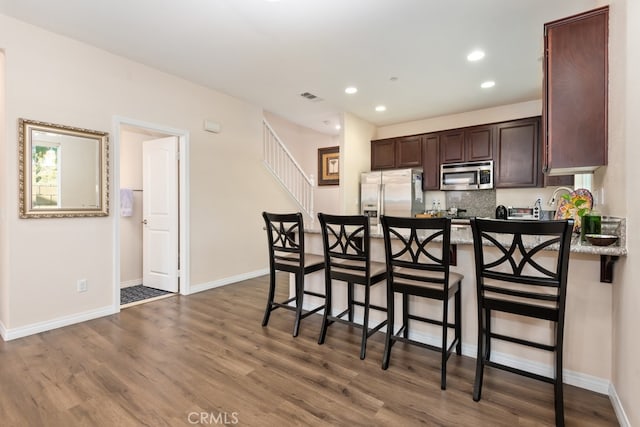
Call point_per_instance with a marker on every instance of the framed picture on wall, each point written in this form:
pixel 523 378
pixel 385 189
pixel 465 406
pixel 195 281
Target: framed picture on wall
pixel 329 166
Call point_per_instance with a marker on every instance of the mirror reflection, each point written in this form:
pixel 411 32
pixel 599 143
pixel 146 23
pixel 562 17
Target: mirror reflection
pixel 63 171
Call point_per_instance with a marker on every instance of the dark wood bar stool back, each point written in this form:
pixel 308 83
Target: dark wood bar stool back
pixel 418 264
pixel 347 259
pixel 518 276
pixel 285 235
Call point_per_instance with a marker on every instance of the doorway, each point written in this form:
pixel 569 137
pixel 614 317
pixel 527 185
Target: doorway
pixel 150 244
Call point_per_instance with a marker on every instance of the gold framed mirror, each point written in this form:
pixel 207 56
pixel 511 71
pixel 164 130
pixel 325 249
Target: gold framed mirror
pixel 63 171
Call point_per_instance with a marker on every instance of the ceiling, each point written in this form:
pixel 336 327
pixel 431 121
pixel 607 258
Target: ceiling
pixel 409 55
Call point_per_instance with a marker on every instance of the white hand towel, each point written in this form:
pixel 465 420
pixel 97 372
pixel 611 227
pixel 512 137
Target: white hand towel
pixel 126 202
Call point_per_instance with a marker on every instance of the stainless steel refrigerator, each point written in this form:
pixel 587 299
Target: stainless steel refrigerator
pixel 394 192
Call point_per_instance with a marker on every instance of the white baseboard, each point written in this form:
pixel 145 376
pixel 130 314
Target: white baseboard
pixel 34 328
pixel 623 420
pixel 226 281
pixel 578 379
pixel 129 283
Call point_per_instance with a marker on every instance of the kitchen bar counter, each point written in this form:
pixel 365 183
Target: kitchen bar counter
pixel 461 235
pixel 588 323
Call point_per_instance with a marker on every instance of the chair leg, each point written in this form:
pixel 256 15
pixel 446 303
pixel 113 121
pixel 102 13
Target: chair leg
pixel 365 323
pixel 387 343
pixel 444 348
pixel 350 301
pixel 327 311
pixel 477 385
pixel 458 319
pixel 487 328
pixel 405 314
pixel 272 290
pixel 557 388
pixel 299 298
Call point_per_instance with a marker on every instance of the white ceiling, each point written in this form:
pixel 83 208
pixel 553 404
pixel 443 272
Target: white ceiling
pixel 269 52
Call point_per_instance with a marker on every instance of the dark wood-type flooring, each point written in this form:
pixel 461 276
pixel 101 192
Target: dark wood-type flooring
pixel 205 359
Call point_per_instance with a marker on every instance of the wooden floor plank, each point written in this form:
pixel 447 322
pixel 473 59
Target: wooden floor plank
pixel 206 358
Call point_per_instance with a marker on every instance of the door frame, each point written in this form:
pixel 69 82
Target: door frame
pixel 183 203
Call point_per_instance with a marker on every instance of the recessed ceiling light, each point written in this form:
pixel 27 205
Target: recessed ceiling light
pixel 338 127
pixel 476 55
pixel 351 90
pixel 488 84
pixel 381 108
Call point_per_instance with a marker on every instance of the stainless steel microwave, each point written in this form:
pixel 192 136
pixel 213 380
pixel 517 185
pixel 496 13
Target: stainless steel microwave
pixel 467 176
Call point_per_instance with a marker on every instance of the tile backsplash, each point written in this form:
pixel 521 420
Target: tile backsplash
pixel 481 203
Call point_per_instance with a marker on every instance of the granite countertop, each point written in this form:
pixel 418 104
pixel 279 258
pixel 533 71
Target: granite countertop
pixel 461 235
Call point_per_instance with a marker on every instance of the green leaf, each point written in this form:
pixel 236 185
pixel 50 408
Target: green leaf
pixel 567 197
pixel 583 211
pixel 579 202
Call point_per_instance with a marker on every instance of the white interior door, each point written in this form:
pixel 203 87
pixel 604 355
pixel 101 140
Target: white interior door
pixel 160 213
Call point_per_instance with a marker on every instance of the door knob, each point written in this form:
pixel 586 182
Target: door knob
pixel 144 221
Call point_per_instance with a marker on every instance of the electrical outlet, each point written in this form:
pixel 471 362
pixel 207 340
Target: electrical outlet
pixel 82 285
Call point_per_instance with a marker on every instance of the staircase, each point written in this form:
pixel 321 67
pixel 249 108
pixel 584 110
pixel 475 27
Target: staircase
pixel 283 166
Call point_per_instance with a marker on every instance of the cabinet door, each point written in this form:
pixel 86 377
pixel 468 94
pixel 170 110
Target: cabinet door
pixel 409 152
pixel 479 143
pixel 430 162
pixel 517 154
pixel 452 146
pixel 575 91
pixel 383 154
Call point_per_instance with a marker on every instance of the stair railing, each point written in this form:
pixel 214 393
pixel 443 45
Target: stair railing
pixel 287 171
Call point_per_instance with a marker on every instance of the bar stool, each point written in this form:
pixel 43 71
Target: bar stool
pixel 347 259
pixel 285 234
pixel 418 262
pixel 518 277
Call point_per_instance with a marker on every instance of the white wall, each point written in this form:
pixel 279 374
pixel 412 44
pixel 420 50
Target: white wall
pixel 86 87
pixel 355 158
pixel 4 232
pixel 131 226
pixel 470 118
pixel 621 181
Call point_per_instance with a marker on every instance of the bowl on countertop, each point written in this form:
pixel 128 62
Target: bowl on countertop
pixel 601 239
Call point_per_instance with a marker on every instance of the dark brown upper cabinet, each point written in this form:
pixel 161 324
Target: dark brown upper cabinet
pixel 467 145
pixel 409 152
pixel 383 154
pixel 517 154
pixel 575 92
pixel 392 153
pixel 431 161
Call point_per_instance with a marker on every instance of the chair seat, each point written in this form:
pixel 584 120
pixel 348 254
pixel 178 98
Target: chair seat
pixel 344 266
pixel 310 260
pixel 454 279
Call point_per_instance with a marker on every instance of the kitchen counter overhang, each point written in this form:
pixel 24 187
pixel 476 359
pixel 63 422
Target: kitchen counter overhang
pixel 461 235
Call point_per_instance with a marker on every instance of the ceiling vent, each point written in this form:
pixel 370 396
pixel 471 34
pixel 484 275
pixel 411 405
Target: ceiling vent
pixel 310 97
